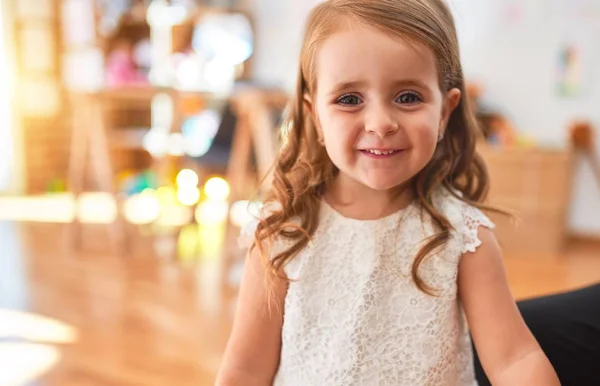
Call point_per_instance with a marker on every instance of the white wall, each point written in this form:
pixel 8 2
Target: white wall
pixel 280 27
pixel 511 46
pixel 11 149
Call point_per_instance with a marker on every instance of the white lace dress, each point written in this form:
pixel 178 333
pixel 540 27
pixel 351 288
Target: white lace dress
pixel 353 315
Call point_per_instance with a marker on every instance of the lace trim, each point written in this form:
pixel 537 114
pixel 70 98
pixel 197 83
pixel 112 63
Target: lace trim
pixel 246 238
pixel 473 219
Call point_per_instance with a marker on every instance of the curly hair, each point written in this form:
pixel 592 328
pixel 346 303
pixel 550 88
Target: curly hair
pixel 303 170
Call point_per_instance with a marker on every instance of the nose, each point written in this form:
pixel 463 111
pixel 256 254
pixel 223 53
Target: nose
pixel 380 120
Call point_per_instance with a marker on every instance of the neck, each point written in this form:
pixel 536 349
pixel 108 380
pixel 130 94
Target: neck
pixel 355 200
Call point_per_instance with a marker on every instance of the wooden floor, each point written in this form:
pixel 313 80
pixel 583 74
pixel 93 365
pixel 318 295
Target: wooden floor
pixel 151 321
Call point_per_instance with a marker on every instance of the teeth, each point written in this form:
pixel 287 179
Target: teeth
pixel 382 152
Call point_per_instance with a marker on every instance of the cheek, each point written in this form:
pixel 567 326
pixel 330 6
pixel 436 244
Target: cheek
pixel 423 132
pixel 339 129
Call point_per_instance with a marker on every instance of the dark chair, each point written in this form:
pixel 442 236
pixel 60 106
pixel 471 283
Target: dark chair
pixel 567 327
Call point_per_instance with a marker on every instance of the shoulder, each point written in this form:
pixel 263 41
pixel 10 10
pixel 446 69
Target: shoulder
pixel 466 220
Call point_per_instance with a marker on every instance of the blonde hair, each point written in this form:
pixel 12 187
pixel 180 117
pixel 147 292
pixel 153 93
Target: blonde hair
pixel 303 169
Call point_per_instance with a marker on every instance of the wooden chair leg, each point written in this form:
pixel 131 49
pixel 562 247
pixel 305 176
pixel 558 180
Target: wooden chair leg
pixel 76 172
pixel 101 161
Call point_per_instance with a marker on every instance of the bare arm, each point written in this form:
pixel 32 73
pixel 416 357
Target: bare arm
pixel 509 353
pixel 252 353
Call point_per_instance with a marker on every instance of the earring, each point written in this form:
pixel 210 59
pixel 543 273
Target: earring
pixel 440 137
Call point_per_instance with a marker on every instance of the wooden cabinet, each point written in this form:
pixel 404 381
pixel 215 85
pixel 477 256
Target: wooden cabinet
pixel 536 184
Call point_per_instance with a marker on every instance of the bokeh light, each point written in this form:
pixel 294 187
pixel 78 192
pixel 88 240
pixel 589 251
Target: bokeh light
pixel 156 140
pixel 242 212
pixel 176 144
pixel 216 188
pixel 212 212
pixel 226 37
pixel 173 217
pixel 188 195
pixel 167 196
pixel 187 178
pixel 24 325
pixel 187 243
pixel 96 207
pixel 143 208
pixel 23 363
pixel 210 239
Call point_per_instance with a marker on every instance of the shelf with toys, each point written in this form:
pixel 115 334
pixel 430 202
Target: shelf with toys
pixel 164 65
pixel 156 96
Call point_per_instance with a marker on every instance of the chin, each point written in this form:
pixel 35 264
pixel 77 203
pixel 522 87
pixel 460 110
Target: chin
pixel 383 185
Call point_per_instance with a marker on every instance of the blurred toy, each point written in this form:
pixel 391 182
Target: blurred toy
pixel 120 68
pixel 56 185
pixel 111 12
pixel 133 183
pixel 495 127
pixel 142 55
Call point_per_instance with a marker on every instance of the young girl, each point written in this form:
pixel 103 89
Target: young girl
pixel 372 249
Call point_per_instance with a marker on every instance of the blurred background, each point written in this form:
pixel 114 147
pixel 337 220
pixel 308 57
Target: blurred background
pixel 134 136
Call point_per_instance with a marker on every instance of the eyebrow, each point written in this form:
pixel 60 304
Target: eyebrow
pixel 348 86
pixel 411 82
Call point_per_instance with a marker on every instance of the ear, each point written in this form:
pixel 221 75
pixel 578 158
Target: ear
pixel 451 101
pixel 308 105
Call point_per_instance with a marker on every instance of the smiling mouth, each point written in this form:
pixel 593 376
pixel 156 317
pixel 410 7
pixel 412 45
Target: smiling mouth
pixel 380 153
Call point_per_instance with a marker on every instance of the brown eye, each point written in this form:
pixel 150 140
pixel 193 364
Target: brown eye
pixel 349 100
pixel 409 98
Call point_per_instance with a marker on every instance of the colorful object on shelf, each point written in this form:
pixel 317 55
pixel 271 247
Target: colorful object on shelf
pixel 222 42
pixel 569 71
pixel 121 68
pixel 111 12
pixel 132 183
pixel 188 72
pixel 162 15
pixel 582 135
pixel 499 130
pixel 525 141
pixel 199 132
pixel 142 54
pixel 224 37
pixel 161 114
pixel 193 104
pixel 56 185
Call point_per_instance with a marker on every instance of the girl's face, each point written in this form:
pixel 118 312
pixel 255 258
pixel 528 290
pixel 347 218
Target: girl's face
pixel 378 106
